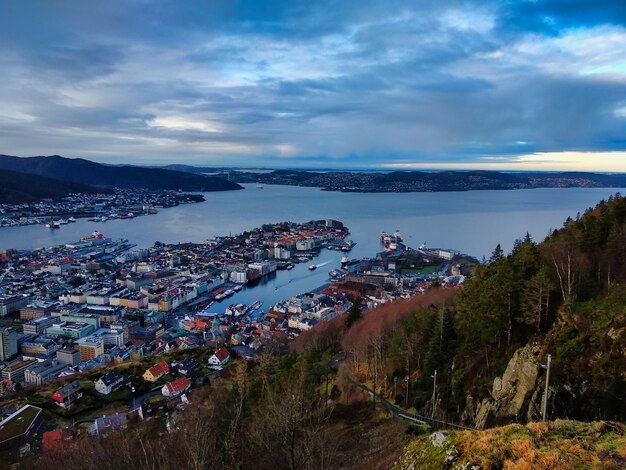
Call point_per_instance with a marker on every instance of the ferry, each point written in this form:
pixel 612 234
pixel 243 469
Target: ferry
pixel 53 224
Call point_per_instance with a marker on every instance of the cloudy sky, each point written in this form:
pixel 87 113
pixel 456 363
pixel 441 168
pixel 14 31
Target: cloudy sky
pixel 392 84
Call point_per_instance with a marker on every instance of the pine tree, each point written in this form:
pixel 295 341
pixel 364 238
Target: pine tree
pixel 497 254
pixel 354 315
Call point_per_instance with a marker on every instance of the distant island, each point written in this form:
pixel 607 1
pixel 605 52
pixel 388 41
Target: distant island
pixel 418 181
pixel 414 181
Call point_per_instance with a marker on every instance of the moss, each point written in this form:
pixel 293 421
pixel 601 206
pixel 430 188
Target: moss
pixel 559 444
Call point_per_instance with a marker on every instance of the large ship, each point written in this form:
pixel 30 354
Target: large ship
pixel 53 224
pixel 94 236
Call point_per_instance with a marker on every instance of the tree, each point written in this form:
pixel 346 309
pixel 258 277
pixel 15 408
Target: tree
pixel 354 315
pixel 496 255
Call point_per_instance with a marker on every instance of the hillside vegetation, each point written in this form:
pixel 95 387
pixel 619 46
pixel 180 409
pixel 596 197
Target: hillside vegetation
pixel 541 446
pixel 82 171
pixel 565 296
pixel 18 187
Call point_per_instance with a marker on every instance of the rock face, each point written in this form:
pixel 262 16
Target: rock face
pixel 514 396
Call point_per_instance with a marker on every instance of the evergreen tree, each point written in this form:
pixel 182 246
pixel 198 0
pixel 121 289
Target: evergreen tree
pixel 354 315
pixel 497 254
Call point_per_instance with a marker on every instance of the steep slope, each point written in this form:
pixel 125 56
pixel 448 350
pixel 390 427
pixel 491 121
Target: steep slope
pixel 87 172
pixel 18 187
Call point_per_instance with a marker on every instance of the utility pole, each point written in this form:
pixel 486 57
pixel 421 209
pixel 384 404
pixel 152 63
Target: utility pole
pixel 406 399
pixel 374 389
pixel 434 392
pixel 545 392
pixel 395 388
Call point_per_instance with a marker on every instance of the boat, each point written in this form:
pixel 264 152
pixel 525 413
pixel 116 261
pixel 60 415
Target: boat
pixel 63 221
pixel 255 305
pixel 259 186
pixel 71 220
pixel 237 288
pixel 312 267
pixel 94 236
pixel 398 236
pixel 53 224
pixel 229 292
pixel 290 266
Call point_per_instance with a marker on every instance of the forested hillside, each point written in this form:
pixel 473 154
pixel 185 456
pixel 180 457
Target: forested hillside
pixel 565 296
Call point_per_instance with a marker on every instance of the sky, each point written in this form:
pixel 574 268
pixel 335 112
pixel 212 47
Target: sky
pixel 503 85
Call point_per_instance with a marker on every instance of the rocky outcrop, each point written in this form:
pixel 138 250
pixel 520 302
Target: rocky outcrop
pixel 515 396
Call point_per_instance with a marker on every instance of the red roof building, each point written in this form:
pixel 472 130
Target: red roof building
pixel 176 387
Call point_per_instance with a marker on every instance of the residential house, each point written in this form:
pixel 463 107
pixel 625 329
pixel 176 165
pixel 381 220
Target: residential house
pixel 109 382
pixel 187 367
pixel 176 387
pixel 68 394
pixel 154 373
pixel 220 358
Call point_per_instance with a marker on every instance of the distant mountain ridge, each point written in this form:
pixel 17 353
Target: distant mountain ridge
pixel 18 187
pixel 78 170
pixel 418 181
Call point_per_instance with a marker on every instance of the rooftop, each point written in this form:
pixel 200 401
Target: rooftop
pixel 18 423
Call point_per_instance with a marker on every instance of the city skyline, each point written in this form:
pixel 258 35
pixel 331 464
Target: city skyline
pixel 473 85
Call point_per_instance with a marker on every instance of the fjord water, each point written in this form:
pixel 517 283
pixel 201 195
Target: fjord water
pixel 472 222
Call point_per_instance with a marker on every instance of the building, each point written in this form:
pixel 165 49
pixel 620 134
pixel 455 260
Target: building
pixel 156 372
pixel 70 330
pixel 220 358
pixel 68 394
pixel 90 348
pixel 176 387
pixel 39 308
pixel 71 357
pixel 42 372
pixel 109 382
pixel 8 343
pixel 15 372
pixel 12 303
pixel 38 325
pixel 186 367
pixel 40 347
pixel 18 428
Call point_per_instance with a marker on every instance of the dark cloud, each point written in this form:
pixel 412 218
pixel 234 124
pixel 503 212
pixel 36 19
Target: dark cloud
pixel 343 82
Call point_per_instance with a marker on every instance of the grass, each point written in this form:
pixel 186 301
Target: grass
pixel 559 444
pixel 18 424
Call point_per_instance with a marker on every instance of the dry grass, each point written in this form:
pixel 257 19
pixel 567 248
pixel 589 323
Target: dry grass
pixel 536 446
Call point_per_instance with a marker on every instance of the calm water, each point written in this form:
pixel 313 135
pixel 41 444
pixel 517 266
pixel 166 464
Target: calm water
pixel 472 222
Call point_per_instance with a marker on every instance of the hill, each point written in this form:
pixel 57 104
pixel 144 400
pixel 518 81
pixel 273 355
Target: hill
pixel 18 187
pixel 78 170
pixel 559 444
pixel 407 181
pixel 564 296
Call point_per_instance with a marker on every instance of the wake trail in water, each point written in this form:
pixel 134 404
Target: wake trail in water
pixel 298 278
